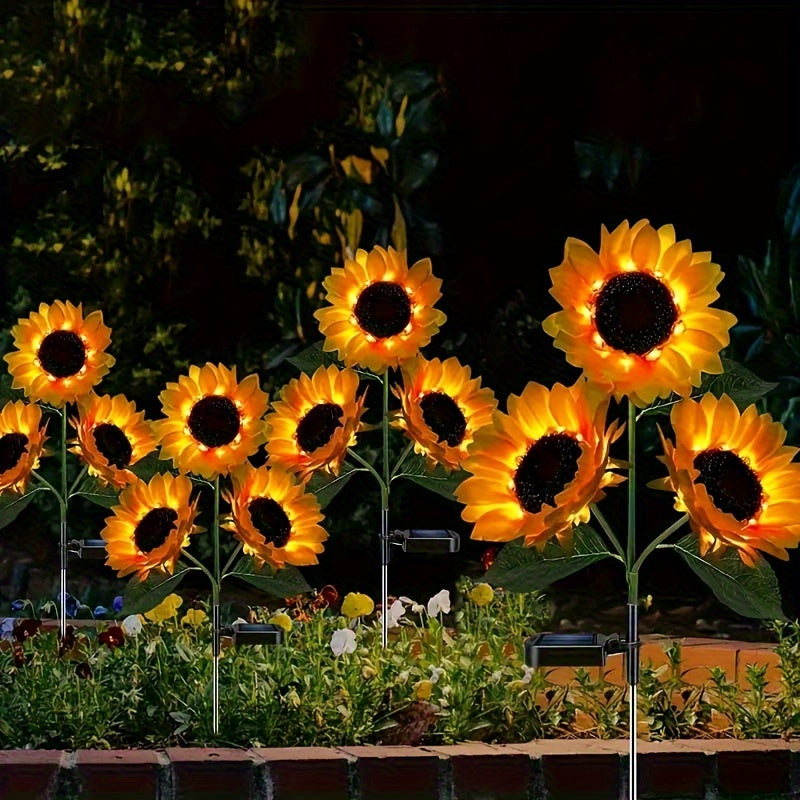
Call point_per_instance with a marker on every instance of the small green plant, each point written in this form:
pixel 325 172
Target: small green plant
pixel 672 707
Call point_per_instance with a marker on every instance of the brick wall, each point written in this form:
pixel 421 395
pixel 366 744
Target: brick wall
pixel 557 769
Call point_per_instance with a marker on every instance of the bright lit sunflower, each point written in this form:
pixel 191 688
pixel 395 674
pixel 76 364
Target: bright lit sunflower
pixel 60 355
pixel 112 436
pixel 382 312
pixel 273 517
pixel 442 408
pixel 22 438
pixel 536 471
pixel 213 422
pixel 732 474
pixel 315 421
pixel 636 315
pixel 151 524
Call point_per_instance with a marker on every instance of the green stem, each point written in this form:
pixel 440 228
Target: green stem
pixel 47 485
pixel 77 481
pixel 230 561
pixel 64 494
pixel 215 532
pixel 401 460
pixel 632 576
pixel 385 432
pixel 361 460
pixel 200 565
pixel 608 530
pixel 665 534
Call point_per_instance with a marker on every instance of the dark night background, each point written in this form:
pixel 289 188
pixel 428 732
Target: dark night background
pixel 699 102
pixel 706 98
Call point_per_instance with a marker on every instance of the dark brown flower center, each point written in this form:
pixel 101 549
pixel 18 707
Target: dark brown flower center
pixel 634 312
pixel 318 426
pixel 62 353
pixel 383 309
pixel 731 484
pixel 443 416
pixel 548 466
pixel 214 421
pixel 12 446
pixel 270 520
pixel 154 528
pixel 113 444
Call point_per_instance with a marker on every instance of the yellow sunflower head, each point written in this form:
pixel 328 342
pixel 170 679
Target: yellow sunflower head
pixel 22 438
pixel 382 312
pixel 537 470
pixel 273 517
pixel 315 421
pixel 212 421
pixel 151 524
pixel 635 316
pixel 441 408
pixel 112 437
pixel 732 474
pixel 60 355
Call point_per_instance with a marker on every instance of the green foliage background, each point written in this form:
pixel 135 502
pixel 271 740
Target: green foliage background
pixel 141 177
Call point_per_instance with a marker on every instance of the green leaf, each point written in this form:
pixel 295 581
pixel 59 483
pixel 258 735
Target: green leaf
pixel 749 591
pixel 524 569
pixel 325 487
pixel 95 492
pixel 416 170
pixel 312 357
pixel 150 466
pixel 741 385
pixel 11 505
pixel 439 480
pixel 286 582
pixel 304 168
pixel 141 596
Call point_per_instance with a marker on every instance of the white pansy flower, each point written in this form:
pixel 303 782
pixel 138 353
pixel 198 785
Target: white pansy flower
pixel 132 624
pixel 439 603
pixel 343 641
pixel 396 610
pixel 528 673
pixel 436 673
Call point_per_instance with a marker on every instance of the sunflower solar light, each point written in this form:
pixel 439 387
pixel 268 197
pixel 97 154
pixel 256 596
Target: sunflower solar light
pixel 59 357
pixel 637 318
pixel 212 424
pixel 381 312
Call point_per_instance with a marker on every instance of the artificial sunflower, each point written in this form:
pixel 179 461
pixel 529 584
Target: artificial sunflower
pixel 151 524
pixel 732 474
pixel 213 422
pixel 273 517
pixel 537 469
pixel 112 436
pixel 60 355
pixel 636 315
pixel 315 421
pixel 382 312
pixel 22 438
pixel 442 407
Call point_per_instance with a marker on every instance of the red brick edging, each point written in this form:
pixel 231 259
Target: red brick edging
pixel 557 769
